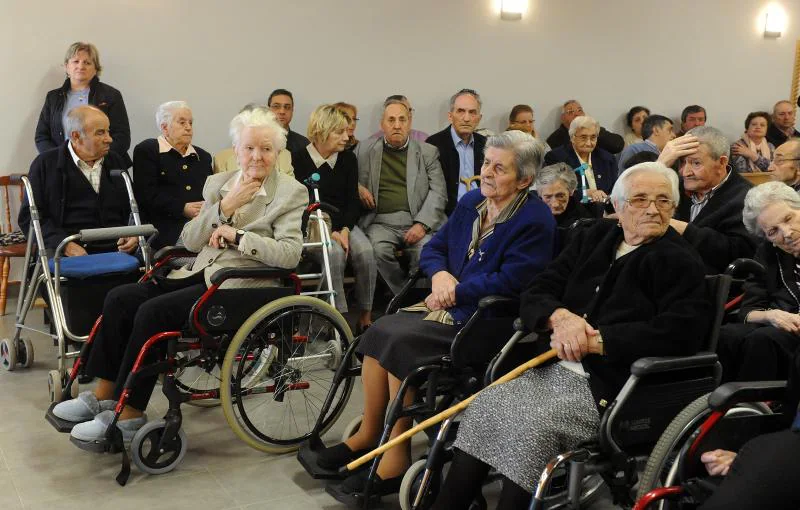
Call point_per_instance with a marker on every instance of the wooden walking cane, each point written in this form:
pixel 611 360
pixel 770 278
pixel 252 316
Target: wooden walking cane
pixel 450 411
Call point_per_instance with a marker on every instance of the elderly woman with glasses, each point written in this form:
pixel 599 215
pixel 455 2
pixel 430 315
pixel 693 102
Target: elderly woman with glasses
pixel 248 218
pixel 619 292
pixel 760 347
pixel 595 167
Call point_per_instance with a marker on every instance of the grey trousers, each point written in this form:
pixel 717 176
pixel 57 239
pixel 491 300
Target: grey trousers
pixel 386 235
pixel 364 269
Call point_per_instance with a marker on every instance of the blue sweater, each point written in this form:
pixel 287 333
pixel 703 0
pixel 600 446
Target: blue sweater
pixel 517 251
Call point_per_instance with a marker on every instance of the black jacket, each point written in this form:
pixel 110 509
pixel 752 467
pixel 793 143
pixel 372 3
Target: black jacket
pixel 777 137
pixel 603 164
pixel 338 186
pixel 778 287
pixel 164 183
pixel 606 140
pixel 451 165
pixel 651 302
pixel 48 175
pixel 717 233
pixel 295 141
pixel 50 130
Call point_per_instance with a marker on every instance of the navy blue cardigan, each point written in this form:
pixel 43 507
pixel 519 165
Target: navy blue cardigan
pixel 518 250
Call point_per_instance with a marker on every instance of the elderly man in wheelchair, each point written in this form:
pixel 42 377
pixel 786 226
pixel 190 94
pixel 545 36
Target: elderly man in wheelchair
pixel 250 218
pixel 619 292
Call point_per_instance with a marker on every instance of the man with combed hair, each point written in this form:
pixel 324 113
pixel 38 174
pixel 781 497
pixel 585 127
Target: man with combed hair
pixel 782 126
pixel 607 140
pixel 692 116
pixel 73 188
pixel 403 190
pixel 656 132
pixel 710 215
pixel 460 147
pixel 414 134
pixel 281 102
pixel 785 165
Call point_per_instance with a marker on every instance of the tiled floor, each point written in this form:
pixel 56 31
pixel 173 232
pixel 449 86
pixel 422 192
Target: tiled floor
pixel 41 469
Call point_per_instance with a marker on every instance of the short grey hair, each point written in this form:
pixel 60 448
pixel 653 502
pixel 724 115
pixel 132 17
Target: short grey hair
pixel 76 119
pixel 390 101
pixel 760 197
pixel 166 110
pixel 621 190
pixel 258 117
pixel 466 92
pixel 558 172
pixel 567 103
pixel 528 151
pixel 583 121
pixel 717 143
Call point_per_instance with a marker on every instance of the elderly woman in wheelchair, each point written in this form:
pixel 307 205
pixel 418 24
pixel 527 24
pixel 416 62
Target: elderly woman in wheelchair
pixel 759 348
pixel 619 291
pixel 497 239
pixel 249 219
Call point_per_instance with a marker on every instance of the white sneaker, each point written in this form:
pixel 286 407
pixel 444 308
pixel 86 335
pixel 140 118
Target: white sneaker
pixel 83 408
pixel 95 430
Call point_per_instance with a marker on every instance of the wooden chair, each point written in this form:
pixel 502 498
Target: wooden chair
pixel 757 178
pixel 10 245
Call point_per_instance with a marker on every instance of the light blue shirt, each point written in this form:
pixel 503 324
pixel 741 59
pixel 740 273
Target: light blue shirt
pixel 466 160
pixel 634 149
pixel 74 98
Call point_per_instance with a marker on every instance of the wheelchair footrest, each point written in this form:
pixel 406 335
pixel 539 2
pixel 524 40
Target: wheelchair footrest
pixel 57 423
pixel 102 446
pixel 307 456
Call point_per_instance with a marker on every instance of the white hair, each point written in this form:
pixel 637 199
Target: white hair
pixel 760 197
pixel 166 110
pixel 528 151
pixel 717 143
pixel 258 117
pixel 584 121
pixel 621 190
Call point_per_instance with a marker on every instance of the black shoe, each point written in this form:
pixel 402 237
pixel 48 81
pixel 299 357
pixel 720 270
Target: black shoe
pixel 336 456
pixel 351 490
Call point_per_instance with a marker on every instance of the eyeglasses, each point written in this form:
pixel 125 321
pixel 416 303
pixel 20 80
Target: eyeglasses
pixel 784 160
pixel 586 138
pixel 570 112
pixel 662 204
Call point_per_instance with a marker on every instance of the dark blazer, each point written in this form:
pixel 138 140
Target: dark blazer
pixel 517 251
pixel 777 137
pixel 50 130
pixel 448 157
pixel 295 141
pixel 777 288
pixel 603 164
pixel 606 140
pixel 163 183
pixel 338 186
pixel 651 302
pixel 718 233
pixel 48 175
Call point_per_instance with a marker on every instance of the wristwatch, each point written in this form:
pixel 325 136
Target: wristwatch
pixel 238 238
pixel 602 345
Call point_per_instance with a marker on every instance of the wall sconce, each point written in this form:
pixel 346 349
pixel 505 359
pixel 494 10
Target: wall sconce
pixel 774 21
pixel 511 10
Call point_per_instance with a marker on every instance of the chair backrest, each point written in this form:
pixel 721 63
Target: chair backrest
pixel 7 181
pixel 644 413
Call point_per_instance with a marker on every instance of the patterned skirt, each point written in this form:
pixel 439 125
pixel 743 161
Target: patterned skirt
pixel 517 427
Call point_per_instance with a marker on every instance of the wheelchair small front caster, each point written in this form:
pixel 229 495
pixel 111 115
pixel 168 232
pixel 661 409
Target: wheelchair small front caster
pixel 25 353
pixel 412 481
pixel 54 385
pixel 146 454
pixel 8 355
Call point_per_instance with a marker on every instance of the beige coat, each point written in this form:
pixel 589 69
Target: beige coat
pixel 271 221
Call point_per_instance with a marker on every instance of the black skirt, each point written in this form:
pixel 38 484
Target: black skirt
pixel 403 341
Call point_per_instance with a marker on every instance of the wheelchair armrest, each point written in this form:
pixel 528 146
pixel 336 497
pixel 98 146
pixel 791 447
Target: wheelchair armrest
pixel 655 365
pixel 490 301
pixel 328 208
pixel 519 325
pixel 732 393
pixel 173 251
pixel 413 277
pixel 744 268
pixel 248 272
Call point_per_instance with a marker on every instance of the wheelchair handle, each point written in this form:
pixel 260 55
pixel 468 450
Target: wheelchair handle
pixel 102 234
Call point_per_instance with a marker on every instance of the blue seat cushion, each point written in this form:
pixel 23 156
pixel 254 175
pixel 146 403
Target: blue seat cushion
pixel 99 264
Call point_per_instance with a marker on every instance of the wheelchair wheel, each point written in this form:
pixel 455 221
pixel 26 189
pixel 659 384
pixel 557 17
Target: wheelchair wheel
pixel 25 354
pixel 146 455
pixel 662 466
pixel 195 373
pixel 412 480
pixel 8 355
pixel 278 370
pixel 54 385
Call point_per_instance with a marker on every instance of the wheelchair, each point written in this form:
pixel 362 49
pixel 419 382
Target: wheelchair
pixel 726 418
pixel 440 383
pixel 266 354
pixel 73 287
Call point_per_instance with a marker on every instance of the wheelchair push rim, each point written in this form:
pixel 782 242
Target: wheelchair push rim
pixel 278 370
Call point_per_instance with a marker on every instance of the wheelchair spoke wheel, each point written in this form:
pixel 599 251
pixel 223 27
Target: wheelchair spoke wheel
pixel 149 457
pixel 198 372
pixel 279 369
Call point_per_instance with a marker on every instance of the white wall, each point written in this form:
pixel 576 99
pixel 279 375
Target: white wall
pixel 219 55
